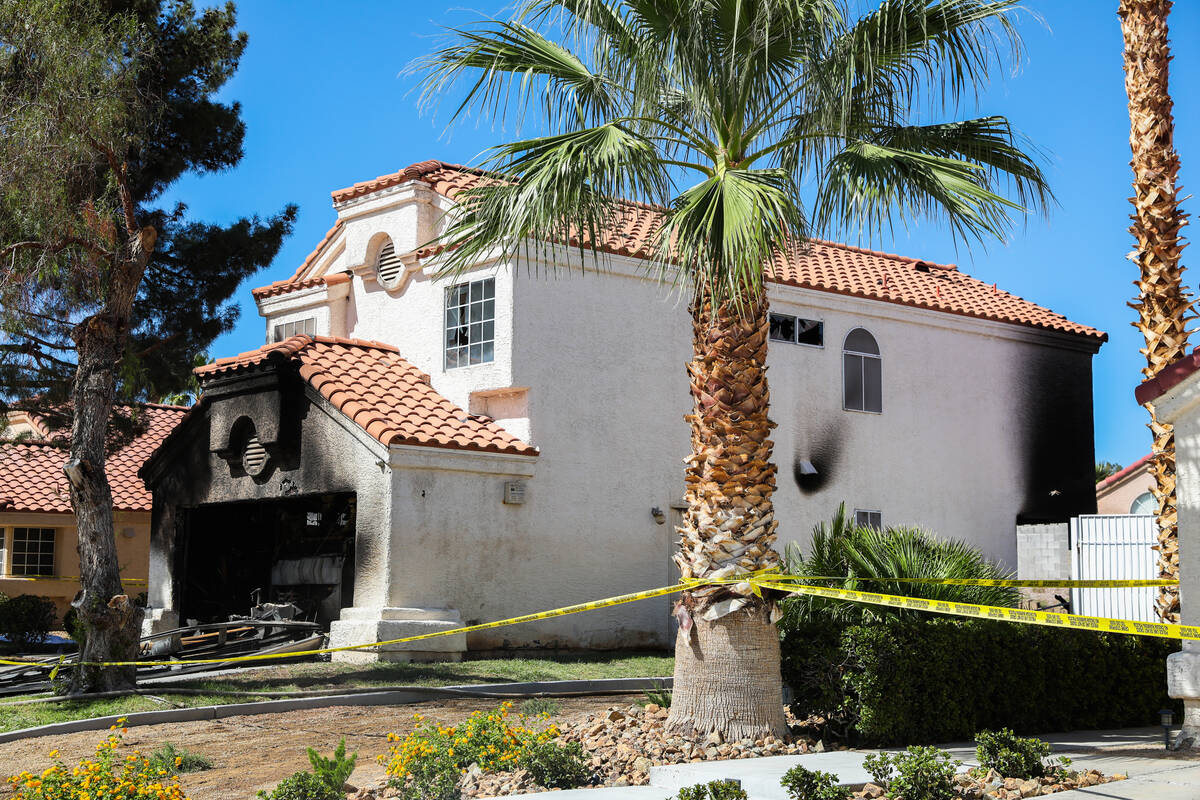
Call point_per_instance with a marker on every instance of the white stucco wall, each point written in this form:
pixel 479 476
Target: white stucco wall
pixel 598 363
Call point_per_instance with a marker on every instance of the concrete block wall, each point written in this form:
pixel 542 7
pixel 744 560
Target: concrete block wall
pixel 1043 551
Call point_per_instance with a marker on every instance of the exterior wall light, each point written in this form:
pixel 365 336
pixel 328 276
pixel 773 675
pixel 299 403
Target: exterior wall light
pixel 1166 718
pixel 807 468
pixel 659 516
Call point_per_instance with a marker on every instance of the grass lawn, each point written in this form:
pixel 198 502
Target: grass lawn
pixel 324 675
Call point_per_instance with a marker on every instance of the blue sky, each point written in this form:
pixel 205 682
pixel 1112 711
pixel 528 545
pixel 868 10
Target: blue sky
pixel 325 106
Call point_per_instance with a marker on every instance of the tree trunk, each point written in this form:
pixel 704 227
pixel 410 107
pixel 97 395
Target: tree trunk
pixel 113 623
pixel 1162 302
pixel 727 675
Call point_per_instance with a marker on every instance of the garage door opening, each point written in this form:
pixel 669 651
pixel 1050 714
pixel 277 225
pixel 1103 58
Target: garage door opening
pixel 296 550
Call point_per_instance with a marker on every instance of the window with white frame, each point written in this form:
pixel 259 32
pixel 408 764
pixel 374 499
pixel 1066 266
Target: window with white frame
pixel 32 552
pixel 797 330
pixel 862 373
pixel 864 518
pixel 286 330
pixel 470 323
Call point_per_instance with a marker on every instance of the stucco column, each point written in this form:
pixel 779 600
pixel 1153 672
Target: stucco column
pixel 1176 397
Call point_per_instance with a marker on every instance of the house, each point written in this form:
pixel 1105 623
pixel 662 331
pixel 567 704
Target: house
pixel 1128 491
pixel 430 451
pixel 38 545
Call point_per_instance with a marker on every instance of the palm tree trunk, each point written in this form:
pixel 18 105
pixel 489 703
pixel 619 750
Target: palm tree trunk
pixel 727 675
pixel 1162 302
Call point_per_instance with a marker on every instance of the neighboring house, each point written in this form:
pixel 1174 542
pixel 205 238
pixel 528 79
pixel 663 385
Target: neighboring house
pixel 38 545
pixel 516 444
pixel 1128 491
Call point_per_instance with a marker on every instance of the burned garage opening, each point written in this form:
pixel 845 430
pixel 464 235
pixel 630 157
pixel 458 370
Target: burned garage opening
pixel 299 550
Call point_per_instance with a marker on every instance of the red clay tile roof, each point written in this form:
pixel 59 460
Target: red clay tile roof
pixel 308 259
pixel 1167 379
pixel 820 265
pixel 293 285
pixel 32 480
pixel 385 395
pixel 1141 465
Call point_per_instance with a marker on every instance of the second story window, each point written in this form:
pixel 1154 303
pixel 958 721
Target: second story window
pixel 286 330
pixel 862 373
pixel 797 330
pixel 471 323
pixel 32 552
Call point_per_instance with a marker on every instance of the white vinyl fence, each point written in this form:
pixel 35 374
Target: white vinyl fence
pixel 1114 547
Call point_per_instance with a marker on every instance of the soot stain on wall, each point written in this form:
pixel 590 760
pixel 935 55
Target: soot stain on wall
pixel 821 443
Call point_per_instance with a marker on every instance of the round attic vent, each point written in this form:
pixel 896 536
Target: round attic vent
pixel 387 264
pixel 254 456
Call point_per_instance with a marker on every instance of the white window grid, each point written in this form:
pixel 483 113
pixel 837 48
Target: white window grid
pixel 470 323
pixel 793 329
pixel 862 379
pixel 286 330
pixel 32 552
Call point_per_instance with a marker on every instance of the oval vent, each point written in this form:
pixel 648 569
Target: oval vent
pixel 387 264
pixel 254 456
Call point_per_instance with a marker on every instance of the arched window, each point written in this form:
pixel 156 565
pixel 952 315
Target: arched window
pixel 1144 504
pixel 387 263
pixel 862 373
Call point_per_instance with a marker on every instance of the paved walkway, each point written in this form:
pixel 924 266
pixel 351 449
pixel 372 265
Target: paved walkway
pixel 1153 773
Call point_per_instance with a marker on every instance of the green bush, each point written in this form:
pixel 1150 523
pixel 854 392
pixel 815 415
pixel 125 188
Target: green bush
pixel 875 560
pixel 713 790
pixel 660 695
pixel 27 620
pixel 556 767
pixel 1014 756
pixel 302 786
pixel 333 771
pixel 806 784
pixel 919 773
pixel 942 679
pixel 175 761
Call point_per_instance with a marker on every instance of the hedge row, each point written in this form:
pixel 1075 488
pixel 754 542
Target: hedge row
pixel 939 680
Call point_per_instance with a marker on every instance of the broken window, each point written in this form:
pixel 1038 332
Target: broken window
pixel 797 330
pixel 862 373
pixel 470 323
pixel 286 330
pixel 32 552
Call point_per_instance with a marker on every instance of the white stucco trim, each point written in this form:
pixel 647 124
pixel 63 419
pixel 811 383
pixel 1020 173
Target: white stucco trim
pixel 440 459
pixel 1179 400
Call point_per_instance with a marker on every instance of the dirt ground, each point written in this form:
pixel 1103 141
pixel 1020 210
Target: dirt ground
pixel 254 752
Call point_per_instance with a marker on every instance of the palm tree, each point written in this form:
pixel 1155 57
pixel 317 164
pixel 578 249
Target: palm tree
pixel 717 113
pixel 1162 302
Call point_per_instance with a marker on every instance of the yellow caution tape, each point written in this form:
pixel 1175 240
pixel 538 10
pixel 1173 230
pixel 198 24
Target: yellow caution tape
pixel 558 612
pixel 61 578
pixel 761 579
pixel 1028 617
pixel 1034 582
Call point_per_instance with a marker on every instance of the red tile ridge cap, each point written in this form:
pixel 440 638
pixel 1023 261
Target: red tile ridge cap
pixel 288 348
pixel 1120 475
pixel 866 251
pixel 320 248
pixel 292 285
pixel 1168 378
pixel 412 172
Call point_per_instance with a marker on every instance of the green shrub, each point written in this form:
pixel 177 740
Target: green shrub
pixel 1014 756
pixel 333 771
pixel 302 786
pixel 919 773
pixel 173 760
pixel 540 706
pixel 941 679
pixel 556 767
pixel 27 620
pixel 714 790
pixel 660 695
pixel 806 784
pixel 874 560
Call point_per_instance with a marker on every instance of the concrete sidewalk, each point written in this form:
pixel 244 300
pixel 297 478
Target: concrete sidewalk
pixel 1153 773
